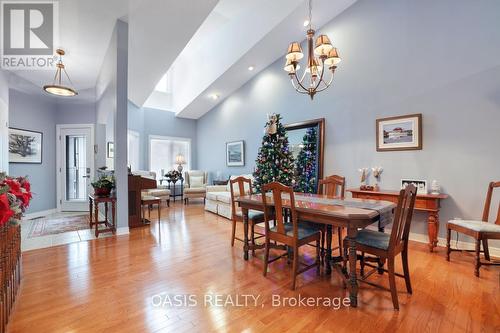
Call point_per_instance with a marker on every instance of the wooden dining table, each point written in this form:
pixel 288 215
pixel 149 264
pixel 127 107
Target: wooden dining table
pixel 352 214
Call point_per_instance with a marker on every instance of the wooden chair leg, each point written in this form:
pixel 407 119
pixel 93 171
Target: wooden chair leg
pixel 392 282
pixel 448 246
pixel 252 233
pixel 323 237
pixel 318 255
pixel 362 264
pixel 168 203
pixel 339 233
pixel 295 265
pixel 406 271
pixel 486 249
pixel 266 255
pixel 233 233
pixel 478 259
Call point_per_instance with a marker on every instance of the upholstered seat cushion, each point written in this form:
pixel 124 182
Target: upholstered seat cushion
pixel 195 190
pixel 304 230
pixel 373 238
pixel 158 192
pixel 212 196
pixel 478 226
pixel 252 214
pixel 224 197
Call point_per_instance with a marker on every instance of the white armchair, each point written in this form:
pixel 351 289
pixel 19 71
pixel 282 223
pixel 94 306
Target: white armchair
pixel 195 184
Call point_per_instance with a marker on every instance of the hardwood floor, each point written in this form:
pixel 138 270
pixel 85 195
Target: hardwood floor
pixel 109 285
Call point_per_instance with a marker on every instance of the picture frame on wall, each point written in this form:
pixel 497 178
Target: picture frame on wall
pixel 421 185
pixel 399 133
pixel 110 149
pixel 25 146
pixel 235 153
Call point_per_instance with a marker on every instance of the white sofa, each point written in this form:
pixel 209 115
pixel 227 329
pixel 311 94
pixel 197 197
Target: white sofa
pixel 161 191
pixel 218 198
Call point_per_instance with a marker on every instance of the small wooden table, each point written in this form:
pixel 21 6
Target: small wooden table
pixel 94 201
pixel 325 210
pixel 430 203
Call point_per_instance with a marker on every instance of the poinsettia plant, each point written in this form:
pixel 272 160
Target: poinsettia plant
pixel 15 197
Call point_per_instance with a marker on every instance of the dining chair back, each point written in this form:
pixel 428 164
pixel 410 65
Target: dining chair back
pixel 333 186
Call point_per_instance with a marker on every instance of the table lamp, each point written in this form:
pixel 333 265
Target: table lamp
pixel 179 159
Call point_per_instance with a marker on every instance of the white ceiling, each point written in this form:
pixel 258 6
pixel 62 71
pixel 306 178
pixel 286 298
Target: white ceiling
pixel 236 35
pixel 206 45
pixel 84 32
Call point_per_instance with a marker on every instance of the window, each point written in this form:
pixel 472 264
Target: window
pixel 133 148
pixel 163 151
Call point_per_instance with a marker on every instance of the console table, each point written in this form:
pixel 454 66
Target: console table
pixel 94 201
pixel 429 203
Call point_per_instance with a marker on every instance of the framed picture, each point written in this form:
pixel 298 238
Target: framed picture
pixel 399 133
pixel 110 151
pixel 421 185
pixel 235 153
pixel 25 146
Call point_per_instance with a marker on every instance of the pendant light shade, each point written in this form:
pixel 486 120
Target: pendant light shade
pixel 57 88
pixel 294 52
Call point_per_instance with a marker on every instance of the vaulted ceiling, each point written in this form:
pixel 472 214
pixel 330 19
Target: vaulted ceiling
pixel 204 46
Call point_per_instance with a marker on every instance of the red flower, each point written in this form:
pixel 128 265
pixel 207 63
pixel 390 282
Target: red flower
pixel 5 211
pixel 14 187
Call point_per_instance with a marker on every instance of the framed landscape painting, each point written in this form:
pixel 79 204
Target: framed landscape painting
pixel 399 133
pixel 25 146
pixel 235 153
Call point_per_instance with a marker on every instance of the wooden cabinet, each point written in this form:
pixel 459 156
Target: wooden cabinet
pixel 429 203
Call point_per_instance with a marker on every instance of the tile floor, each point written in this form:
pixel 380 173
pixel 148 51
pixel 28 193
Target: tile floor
pixel 54 240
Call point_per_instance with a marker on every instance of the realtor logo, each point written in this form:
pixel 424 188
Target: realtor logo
pixel 29 32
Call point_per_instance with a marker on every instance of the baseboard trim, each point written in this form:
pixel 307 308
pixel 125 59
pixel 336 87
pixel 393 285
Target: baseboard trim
pixel 36 215
pixel 494 251
pixel 122 231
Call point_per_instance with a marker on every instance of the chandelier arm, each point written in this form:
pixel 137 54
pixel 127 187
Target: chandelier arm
pixel 55 77
pixel 299 82
pixel 321 77
pixel 297 88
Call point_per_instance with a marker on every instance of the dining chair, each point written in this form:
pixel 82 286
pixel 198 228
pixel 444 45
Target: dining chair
pixel 293 235
pixel 387 246
pixel 244 187
pixel 332 186
pixel 480 230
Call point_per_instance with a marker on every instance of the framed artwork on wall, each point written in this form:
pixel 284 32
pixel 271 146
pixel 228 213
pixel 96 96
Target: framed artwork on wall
pixel 421 185
pixel 25 146
pixel 235 153
pixel 399 133
pixel 110 151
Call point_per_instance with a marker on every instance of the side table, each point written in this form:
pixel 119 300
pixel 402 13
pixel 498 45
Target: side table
pixel 219 182
pixel 173 188
pixel 94 201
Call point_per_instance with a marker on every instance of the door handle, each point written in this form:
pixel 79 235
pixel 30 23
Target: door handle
pixel 86 176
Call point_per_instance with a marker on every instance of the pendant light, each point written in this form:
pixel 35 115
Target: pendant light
pixel 57 88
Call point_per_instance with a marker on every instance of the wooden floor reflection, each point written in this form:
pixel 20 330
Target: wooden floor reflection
pixel 108 285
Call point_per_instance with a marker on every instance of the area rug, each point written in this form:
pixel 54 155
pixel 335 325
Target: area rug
pixel 56 225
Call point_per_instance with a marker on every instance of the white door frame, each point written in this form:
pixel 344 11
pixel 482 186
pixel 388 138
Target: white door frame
pixel 59 162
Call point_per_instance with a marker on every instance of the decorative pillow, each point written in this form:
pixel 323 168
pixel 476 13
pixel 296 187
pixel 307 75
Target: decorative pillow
pixel 196 181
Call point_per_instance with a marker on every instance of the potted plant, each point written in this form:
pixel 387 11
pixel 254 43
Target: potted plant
pixel 103 185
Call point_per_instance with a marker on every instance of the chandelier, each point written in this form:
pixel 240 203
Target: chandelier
pixel 323 55
pixel 57 88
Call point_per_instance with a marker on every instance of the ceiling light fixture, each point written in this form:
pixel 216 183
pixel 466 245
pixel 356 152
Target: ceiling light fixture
pixel 306 23
pixel 57 88
pixel 251 68
pixel 322 55
pixel 214 97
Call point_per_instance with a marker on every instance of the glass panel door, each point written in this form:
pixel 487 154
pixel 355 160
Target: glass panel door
pixel 76 167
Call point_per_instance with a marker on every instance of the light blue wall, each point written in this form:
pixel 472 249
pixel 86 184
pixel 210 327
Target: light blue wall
pixel 147 121
pixel 438 58
pixel 42 114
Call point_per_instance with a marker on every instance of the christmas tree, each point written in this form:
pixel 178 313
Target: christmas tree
pixel 274 161
pixel 305 166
